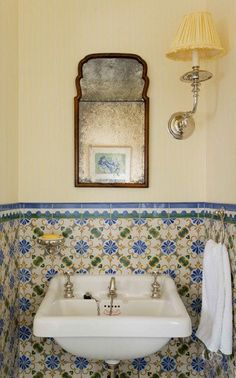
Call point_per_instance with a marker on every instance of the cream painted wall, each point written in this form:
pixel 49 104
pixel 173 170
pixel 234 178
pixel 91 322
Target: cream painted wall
pixel 221 113
pixel 53 36
pixel 9 101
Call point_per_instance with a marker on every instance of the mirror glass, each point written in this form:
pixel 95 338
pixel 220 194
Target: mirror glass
pixel 111 121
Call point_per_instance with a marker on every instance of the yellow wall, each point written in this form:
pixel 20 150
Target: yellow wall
pixel 221 112
pixel 53 36
pixel 8 101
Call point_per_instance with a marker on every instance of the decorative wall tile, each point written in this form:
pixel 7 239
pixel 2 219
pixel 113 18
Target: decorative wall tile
pixel 111 239
pixel 9 284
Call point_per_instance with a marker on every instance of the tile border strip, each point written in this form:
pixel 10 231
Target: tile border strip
pixel 139 205
pixel 111 205
pixel 117 210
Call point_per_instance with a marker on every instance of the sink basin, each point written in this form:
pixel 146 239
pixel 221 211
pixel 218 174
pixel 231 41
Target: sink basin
pixel 139 325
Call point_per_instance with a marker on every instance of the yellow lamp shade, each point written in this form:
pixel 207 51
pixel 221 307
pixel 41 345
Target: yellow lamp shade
pixel 197 32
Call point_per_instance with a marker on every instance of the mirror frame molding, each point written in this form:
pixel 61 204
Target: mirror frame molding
pixel 145 98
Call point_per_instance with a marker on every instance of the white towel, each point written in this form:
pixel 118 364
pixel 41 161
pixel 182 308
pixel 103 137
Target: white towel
pixel 215 328
pixel 227 323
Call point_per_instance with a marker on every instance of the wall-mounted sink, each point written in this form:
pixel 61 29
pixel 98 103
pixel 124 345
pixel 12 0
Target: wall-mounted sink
pixel 139 325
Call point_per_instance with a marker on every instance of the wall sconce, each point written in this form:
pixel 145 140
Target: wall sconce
pixel 196 39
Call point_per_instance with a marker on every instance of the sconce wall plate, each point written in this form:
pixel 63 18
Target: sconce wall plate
pixel 181 125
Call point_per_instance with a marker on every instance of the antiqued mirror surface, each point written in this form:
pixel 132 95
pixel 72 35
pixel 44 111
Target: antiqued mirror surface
pixel 111 121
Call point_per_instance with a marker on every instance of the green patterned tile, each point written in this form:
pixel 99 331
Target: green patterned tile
pixel 146 240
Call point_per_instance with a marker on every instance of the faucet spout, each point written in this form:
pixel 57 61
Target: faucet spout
pixel 112 293
pixel 112 288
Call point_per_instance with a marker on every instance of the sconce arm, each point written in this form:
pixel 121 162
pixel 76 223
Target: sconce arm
pixel 196 89
pixel 195 77
pixel 181 124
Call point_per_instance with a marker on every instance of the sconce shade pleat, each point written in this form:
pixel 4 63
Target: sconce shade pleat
pixel 196 32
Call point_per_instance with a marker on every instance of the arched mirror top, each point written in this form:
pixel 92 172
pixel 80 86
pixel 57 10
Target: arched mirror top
pixel 112 77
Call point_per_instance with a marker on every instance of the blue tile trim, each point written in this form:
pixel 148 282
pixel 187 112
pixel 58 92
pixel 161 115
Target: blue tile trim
pixel 107 205
pixel 185 205
pixel 135 206
pixel 226 206
pixel 120 205
pixel 10 206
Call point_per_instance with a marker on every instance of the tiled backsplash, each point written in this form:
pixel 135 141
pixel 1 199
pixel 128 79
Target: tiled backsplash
pixel 113 238
pixel 9 291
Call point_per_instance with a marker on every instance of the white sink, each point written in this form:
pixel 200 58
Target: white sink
pixel 139 325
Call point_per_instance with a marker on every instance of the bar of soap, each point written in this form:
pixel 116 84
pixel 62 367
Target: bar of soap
pixel 51 237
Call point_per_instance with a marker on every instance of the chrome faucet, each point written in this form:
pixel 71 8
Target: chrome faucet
pixel 112 288
pixel 112 293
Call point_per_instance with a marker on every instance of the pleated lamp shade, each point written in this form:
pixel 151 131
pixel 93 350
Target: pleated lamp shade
pixel 196 33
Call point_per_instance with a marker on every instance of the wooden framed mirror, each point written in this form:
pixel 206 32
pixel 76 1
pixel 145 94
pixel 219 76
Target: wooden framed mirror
pixel 111 121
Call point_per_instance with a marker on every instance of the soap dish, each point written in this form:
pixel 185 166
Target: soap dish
pixel 51 241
